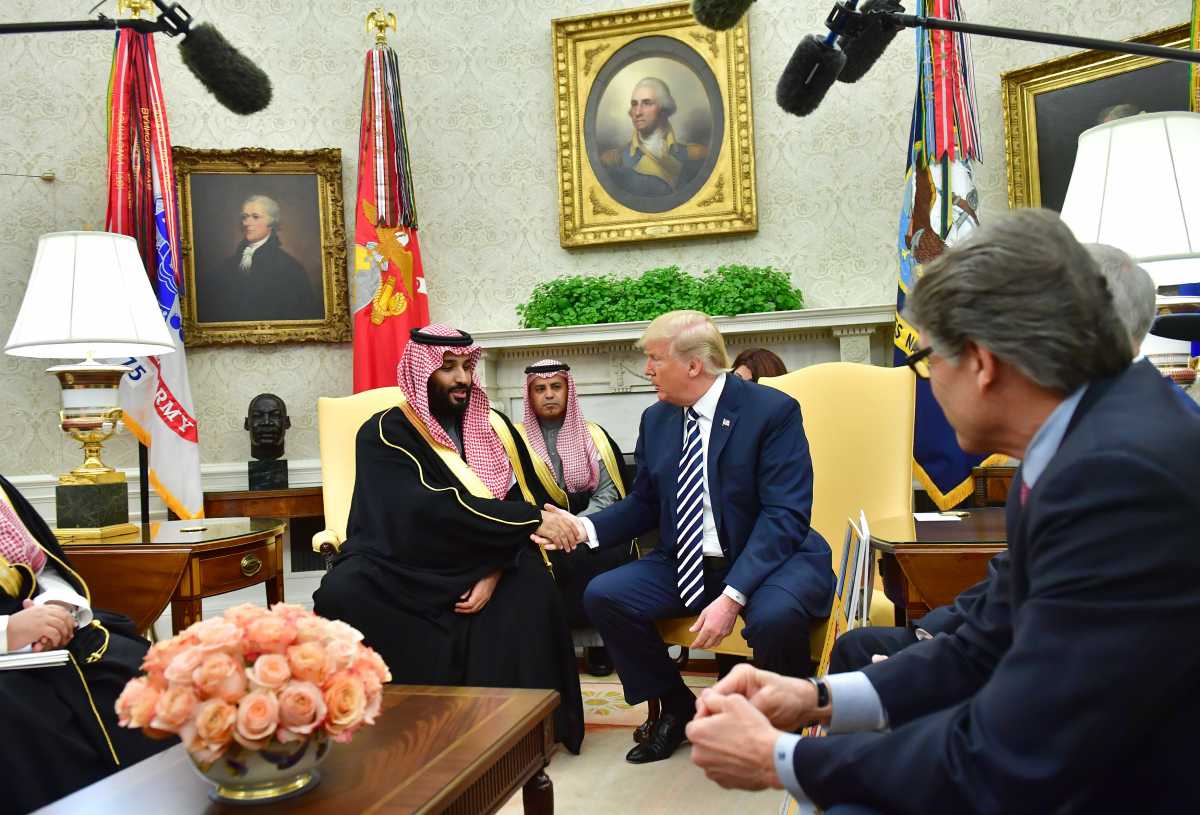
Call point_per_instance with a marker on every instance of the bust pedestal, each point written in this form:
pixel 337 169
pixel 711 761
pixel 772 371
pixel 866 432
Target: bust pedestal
pixel 267 475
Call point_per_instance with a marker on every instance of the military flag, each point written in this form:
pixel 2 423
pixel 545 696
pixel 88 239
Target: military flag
pixel 940 208
pixel 388 291
pixel 155 396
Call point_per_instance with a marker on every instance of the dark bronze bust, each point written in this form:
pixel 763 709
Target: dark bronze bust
pixel 268 422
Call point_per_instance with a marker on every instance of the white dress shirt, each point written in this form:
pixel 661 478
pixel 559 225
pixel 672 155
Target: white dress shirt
pixel 706 409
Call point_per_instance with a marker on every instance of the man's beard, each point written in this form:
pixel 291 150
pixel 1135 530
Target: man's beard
pixel 440 404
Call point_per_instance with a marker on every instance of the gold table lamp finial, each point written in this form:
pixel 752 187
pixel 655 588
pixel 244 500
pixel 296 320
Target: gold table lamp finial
pixel 380 21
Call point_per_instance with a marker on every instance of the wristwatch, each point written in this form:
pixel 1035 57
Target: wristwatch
pixel 822 692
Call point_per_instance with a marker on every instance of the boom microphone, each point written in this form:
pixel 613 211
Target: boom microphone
pixel 864 49
pixel 719 15
pixel 235 81
pixel 809 74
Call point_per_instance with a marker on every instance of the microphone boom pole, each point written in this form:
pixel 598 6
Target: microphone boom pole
pixel 1113 46
pixel 101 23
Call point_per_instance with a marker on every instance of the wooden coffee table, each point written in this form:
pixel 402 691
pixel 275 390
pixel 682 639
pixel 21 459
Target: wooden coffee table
pixel 433 750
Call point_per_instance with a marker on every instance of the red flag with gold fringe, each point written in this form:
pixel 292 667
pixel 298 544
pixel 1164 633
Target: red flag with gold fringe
pixel 389 295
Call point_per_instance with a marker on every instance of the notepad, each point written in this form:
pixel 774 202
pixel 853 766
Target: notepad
pixel 935 516
pixel 28 659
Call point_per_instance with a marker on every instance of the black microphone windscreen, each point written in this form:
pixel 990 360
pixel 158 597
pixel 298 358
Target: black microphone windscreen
pixel 232 78
pixel 719 15
pixel 864 50
pixel 808 75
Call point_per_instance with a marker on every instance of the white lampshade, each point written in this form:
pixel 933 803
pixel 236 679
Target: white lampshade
pixel 88 296
pixel 1136 186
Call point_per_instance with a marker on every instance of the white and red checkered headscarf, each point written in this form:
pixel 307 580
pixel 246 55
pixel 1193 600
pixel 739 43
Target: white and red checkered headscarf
pixel 482 448
pixel 581 470
pixel 16 544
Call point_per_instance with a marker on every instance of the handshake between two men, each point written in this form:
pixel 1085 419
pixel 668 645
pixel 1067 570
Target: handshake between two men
pixel 562 531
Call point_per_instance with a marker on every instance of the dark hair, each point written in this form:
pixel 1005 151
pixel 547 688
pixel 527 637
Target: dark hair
pixel 761 362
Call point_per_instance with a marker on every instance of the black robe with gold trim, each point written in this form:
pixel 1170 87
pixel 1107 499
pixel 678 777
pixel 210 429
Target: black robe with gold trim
pixel 574 570
pixel 419 535
pixel 60 725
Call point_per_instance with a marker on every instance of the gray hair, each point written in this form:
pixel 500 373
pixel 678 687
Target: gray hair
pixel 269 206
pixel 691 335
pixel 665 100
pixel 1025 289
pixel 1132 290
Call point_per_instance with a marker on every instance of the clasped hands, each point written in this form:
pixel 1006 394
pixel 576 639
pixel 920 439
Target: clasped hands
pixel 559 530
pixel 43 626
pixel 738 721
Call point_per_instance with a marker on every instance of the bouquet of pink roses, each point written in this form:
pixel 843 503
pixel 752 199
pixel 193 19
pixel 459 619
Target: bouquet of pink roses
pixel 255 676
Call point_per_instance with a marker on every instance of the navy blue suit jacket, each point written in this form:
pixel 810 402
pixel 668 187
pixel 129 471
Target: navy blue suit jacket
pixel 1071 685
pixel 760 483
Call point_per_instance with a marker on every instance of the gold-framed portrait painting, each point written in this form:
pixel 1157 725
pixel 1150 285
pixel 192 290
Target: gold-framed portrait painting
pixel 263 245
pixel 655 127
pixel 1047 106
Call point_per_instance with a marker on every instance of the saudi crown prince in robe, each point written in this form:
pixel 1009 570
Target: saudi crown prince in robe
pixel 438 570
pixel 724 475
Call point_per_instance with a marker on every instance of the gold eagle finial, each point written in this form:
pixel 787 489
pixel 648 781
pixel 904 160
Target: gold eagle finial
pixel 380 21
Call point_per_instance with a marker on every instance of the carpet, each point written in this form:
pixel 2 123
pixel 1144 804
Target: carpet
pixel 604 700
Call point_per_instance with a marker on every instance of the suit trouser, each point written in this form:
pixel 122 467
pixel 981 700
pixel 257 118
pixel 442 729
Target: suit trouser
pixel 852 651
pixel 624 603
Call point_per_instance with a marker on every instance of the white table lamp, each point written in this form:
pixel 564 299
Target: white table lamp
pixel 1136 186
pixel 89 297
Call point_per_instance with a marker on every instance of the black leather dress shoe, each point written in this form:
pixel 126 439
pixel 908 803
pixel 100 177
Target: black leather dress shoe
pixel 597 661
pixel 668 733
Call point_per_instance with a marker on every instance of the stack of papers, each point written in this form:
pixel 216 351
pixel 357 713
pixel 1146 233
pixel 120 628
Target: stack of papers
pixel 28 659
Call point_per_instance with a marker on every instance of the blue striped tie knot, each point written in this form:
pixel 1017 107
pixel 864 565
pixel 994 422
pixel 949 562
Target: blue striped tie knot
pixel 689 515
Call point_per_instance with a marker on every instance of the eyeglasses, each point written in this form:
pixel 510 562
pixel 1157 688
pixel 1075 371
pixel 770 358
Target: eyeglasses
pixel 919 361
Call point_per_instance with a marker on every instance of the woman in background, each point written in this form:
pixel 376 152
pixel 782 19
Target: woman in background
pixel 755 363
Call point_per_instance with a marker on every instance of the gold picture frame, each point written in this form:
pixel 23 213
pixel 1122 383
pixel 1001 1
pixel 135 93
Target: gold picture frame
pixel 1046 107
pixel 242 287
pixel 703 182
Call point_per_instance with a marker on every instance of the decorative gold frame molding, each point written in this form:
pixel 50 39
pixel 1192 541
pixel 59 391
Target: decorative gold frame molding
pixel 1020 88
pixel 726 202
pixel 1196 47
pixel 326 165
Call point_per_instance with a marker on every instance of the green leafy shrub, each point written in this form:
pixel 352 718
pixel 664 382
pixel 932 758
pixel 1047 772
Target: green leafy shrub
pixel 725 291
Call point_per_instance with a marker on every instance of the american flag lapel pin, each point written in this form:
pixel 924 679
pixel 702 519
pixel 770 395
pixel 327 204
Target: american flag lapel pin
pixel 724 423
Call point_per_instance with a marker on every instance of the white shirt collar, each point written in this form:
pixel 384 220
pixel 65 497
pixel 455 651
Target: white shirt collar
pixel 250 247
pixel 706 405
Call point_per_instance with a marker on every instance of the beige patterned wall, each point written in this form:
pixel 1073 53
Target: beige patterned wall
pixel 478 89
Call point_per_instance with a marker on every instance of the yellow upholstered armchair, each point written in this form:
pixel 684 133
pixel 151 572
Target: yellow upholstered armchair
pixel 859 423
pixel 338 421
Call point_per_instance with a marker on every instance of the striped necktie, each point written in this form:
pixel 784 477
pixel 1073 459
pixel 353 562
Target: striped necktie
pixel 689 515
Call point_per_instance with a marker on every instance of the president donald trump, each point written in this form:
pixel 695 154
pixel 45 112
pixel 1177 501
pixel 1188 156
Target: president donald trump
pixel 724 475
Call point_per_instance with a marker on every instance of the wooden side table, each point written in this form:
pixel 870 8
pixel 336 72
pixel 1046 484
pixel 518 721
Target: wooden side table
pixel 181 562
pixel 303 504
pixel 433 750
pixel 927 563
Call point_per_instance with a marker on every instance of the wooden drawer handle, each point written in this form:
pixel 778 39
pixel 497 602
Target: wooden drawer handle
pixel 251 565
